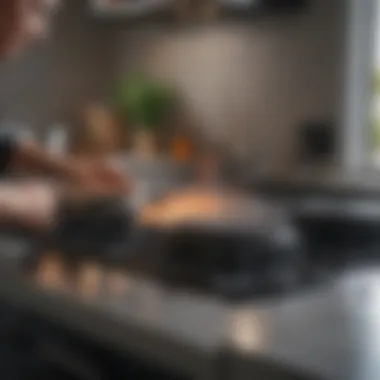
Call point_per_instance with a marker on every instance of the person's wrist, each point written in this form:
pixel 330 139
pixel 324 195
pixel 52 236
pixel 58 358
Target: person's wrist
pixel 69 171
pixel 30 158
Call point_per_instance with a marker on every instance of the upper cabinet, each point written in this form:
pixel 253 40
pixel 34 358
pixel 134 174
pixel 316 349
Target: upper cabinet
pixel 254 7
pixel 131 8
pixel 191 10
pixel 239 4
pixel 239 10
pixel 257 4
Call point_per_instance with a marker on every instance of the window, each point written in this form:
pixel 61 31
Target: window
pixel 375 109
pixel 361 92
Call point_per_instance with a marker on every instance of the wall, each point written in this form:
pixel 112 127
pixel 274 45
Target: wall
pixel 51 81
pixel 251 85
pixel 247 85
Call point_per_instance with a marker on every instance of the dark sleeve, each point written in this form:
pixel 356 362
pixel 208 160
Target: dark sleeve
pixel 7 147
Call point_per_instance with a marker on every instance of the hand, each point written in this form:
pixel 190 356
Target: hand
pixel 100 178
pixel 86 174
pixel 29 205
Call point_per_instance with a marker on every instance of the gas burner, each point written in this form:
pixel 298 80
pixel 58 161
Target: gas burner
pixel 236 248
pixel 222 243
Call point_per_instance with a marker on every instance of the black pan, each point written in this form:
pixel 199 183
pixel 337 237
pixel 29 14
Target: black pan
pixel 220 239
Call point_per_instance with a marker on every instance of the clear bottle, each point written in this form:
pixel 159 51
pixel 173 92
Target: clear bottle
pixel 57 140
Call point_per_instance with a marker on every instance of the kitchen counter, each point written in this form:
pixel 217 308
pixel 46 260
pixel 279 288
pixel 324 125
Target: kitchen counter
pixel 331 333
pixel 131 315
pixel 338 182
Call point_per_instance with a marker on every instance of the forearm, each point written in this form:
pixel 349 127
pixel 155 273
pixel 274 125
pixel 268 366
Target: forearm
pixel 30 205
pixel 90 176
pixel 32 159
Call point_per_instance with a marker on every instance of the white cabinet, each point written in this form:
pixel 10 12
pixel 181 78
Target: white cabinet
pixel 130 8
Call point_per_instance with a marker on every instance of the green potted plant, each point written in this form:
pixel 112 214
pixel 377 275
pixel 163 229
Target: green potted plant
pixel 146 104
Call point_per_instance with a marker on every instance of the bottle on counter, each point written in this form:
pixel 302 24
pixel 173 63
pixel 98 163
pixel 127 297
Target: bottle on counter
pixel 181 149
pixel 57 140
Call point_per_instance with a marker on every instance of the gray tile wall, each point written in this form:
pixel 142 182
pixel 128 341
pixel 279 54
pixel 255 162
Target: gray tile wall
pixel 251 85
pixel 50 82
pixel 247 85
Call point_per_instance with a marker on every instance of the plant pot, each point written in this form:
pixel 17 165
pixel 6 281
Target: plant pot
pixel 144 144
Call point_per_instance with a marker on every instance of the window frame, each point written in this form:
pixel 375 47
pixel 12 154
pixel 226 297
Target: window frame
pixel 358 94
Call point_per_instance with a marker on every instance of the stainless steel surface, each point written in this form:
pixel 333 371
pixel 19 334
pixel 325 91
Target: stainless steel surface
pixel 332 333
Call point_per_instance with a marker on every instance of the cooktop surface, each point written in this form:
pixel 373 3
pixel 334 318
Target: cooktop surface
pixel 322 239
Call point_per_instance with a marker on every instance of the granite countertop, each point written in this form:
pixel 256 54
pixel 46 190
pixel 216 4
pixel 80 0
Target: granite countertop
pixel 330 333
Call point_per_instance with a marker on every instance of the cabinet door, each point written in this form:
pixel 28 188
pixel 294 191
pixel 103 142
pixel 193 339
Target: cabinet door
pixel 239 4
pixel 244 5
pixel 130 8
pixel 243 9
pixel 219 10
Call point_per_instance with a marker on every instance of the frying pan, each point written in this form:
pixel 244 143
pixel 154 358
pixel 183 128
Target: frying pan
pixel 218 238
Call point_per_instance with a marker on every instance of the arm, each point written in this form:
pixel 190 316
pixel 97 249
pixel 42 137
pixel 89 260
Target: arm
pixel 94 176
pixel 25 205
pixel 28 205
pixel 33 205
pixel 30 158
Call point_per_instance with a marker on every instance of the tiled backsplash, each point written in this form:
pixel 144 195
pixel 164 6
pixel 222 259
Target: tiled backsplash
pixel 49 82
pixel 248 85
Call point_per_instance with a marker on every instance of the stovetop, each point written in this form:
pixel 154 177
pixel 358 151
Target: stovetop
pixel 316 249
pixel 326 238
pixel 324 325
